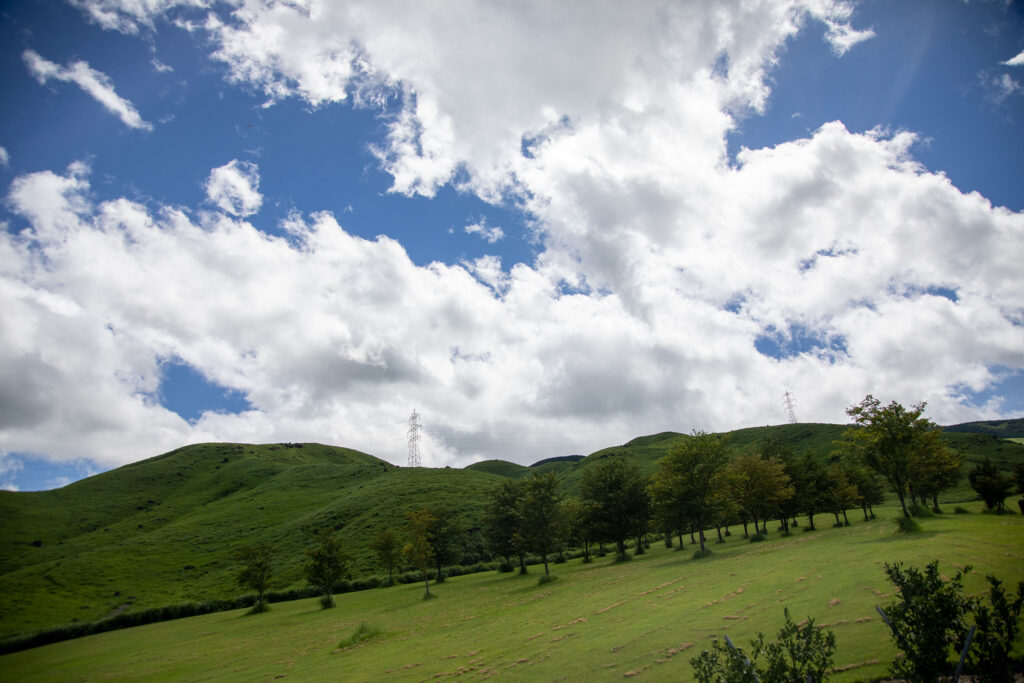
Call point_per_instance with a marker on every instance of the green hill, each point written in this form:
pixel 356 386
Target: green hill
pixel 1003 429
pixel 164 530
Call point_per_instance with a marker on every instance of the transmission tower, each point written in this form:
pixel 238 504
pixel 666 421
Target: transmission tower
pixel 790 405
pixel 414 439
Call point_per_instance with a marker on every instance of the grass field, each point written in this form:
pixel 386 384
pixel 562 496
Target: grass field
pixel 644 618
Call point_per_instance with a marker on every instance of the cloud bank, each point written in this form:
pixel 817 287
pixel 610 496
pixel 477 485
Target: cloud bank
pixel 664 264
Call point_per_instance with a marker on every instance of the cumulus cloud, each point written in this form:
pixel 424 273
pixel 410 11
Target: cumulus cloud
pixel 1015 61
pixel 95 83
pixel 662 262
pixel 5 158
pixel 234 188
pixel 488 233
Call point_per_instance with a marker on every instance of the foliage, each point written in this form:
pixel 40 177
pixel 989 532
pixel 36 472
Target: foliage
pixel 362 632
pixel 327 564
pixel 839 494
pixel 1018 477
pixel 992 485
pixel 889 438
pixel 933 468
pixel 388 550
pixel 617 499
pixel 693 466
pixel 541 518
pixel 502 520
pixel 446 534
pixel 928 620
pixel 998 625
pixel 257 570
pixel 758 485
pixel 577 526
pixel 417 548
pixel 802 653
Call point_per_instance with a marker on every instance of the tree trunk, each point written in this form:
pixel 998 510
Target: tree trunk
pixel 700 533
pixel 692 539
pixel 586 551
pixel 440 577
pixel 865 509
pixel 837 517
pixel 935 502
pixel 680 539
pixel 745 534
pixel 810 520
pixel 784 520
pixel 545 557
pixel 522 564
pixel 426 581
pixel 846 520
pixel 718 528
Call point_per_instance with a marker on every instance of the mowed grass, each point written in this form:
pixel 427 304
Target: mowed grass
pixel 602 621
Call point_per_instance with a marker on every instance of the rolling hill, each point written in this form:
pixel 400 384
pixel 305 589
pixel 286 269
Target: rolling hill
pixel 164 530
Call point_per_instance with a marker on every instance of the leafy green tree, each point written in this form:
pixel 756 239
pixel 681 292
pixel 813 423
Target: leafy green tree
pixel 388 550
pixel 810 482
pixel 541 516
pixel 503 521
pixel 694 464
pixel 887 439
pixel 870 486
pixel 933 468
pixel 803 653
pixel 992 485
pixel 617 496
pixel 1018 477
pixel 576 519
pixel 668 508
pixel 446 536
pixel 757 485
pixel 840 494
pixel 257 570
pixel 928 621
pixel 417 548
pixel 327 564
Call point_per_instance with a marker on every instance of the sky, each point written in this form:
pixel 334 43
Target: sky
pixel 547 227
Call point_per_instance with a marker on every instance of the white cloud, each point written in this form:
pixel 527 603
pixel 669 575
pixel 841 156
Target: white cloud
pixel 661 261
pixel 9 468
pixel 95 83
pixel 5 158
pixel 234 188
pixel 1015 61
pixel 489 234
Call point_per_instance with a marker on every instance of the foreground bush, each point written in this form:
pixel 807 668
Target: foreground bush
pixel 802 653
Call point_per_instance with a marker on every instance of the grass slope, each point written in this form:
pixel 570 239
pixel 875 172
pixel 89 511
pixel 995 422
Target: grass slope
pixel 164 530
pixel 1004 429
pixel 645 618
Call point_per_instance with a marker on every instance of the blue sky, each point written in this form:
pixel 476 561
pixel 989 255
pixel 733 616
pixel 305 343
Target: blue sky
pixel 297 222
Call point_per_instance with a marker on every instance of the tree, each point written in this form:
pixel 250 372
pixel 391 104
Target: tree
pixel 992 485
pixel 576 518
pixel 502 521
pixel 446 535
pixel 617 497
pixel 541 517
pixel 257 570
pixel 887 439
pixel 810 483
pixel 990 656
pixel 327 564
pixel 757 485
pixel 417 549
pixel 933 468
pixel 694 465
pixel 388 549
pixel 870 486
pixel 840 494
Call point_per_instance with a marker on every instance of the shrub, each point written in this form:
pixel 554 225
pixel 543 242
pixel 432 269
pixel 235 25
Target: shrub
pixel 907 525
pixel 961 510
pixel 757 538
pixel 698 554
pixel 989 659
pixel 362 632
pixel 545 578
pixel 560 558
pixel 927 620
pixel 505 567
pixel 920 511
pixel 802 653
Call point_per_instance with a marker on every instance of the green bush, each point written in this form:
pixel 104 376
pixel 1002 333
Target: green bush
pixel 757 538
pixel 802 653
pixel 920 511
pixel 961 510
pixel 362 632
pixel 545 578
pixel 907 525
pixel 698 554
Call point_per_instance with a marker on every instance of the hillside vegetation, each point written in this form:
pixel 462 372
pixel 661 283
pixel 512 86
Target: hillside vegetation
pixel 164 530
pixel 602 621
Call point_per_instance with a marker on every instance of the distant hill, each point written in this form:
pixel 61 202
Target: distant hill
pixel 1002 429
pixel 164 530
pixel 559 458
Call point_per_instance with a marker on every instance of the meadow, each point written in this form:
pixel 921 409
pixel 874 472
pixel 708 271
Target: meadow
pixel 644 618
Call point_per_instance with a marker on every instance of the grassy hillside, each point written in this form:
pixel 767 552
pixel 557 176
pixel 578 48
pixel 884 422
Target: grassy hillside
pixel 1003 429
pixel 644 619
pixel 164 530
